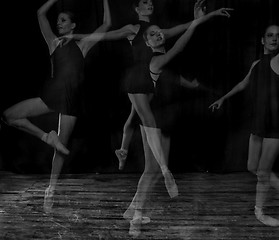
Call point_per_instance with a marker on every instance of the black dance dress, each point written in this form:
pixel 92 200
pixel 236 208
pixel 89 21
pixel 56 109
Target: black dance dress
pixel 62 91
pixel 265 99
pixel 137 79
pixel 165 103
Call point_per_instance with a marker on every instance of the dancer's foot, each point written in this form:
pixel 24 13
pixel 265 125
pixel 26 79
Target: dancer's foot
pixel 170 184
pixel 48 200
pixel 266 220
pixel 121 155
pixel 52 139
pixel 135 227
pixel 129 213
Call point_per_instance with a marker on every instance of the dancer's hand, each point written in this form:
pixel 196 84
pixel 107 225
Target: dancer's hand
pixel 223 12
pixel 199 9
pixel 195 83
pixel 217 104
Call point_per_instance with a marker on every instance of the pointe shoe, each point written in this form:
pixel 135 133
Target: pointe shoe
pixel 48 200
pixel 266 220
pixel 170 184
pixel 129 213
pixel 121 155
pixel 53 140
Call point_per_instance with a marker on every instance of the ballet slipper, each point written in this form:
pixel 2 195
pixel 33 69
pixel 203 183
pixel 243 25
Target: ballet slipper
pixel 170 184
pixel 52 139
pixel 265 219
pixel 48 200
pixel 121 155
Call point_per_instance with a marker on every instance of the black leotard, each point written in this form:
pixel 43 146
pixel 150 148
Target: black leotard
pixel 62 92
pixel 137 78
pixel 165 105
pixel 265 99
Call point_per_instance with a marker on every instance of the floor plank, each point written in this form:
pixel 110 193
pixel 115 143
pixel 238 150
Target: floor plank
pixel 90 206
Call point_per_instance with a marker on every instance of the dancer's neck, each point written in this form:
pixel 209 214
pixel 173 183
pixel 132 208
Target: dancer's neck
pixel 144 18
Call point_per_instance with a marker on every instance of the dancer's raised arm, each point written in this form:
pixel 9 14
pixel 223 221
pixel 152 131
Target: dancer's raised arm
pixel 90 40
pixel 199 11
pixel 45 27
pixel 159 62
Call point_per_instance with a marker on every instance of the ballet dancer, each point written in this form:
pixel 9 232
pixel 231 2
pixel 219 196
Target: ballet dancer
pixel 263 81
pixel 62 92
pixel 138 79
pixel 161 76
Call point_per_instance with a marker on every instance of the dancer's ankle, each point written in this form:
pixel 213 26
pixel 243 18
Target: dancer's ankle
pixel 258 211
pixel 137 214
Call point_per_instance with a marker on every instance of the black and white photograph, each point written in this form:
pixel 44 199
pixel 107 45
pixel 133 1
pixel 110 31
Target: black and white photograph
pixel 139 119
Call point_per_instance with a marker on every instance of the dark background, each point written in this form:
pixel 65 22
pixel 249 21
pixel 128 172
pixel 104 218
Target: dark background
pixel 219 54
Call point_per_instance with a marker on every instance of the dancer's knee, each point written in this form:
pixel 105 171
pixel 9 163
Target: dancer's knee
pixel 147 120
pixel 7 118
pixel 252 168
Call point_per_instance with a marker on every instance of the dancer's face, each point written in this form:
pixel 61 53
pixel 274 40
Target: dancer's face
pixel 64 24
pixel 145 8
pixel 155 37
pixel 270 39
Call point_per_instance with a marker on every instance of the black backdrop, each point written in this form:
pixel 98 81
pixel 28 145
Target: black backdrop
pixel 219 54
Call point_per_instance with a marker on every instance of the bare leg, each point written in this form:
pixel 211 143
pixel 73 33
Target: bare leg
pixel 149 177
pixel 153 135
pixel 128 131
pixel 17 116
pixel 150 163
pixel 66 126
pixel 270 151
pixel 254 154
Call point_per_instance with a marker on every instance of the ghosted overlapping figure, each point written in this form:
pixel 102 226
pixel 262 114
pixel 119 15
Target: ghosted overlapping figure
pixel 165 82
pixel 263 83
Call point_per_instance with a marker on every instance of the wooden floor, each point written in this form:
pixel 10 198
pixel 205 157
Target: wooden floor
pixel 210 206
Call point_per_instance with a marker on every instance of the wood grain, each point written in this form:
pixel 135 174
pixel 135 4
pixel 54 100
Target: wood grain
pixel 90 206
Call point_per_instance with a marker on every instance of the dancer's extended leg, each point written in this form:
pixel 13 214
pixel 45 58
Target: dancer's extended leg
pixel 146 183
pixel 129 213
pixel 153 134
